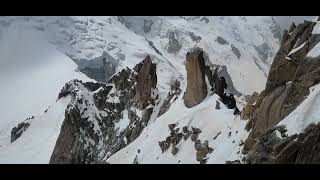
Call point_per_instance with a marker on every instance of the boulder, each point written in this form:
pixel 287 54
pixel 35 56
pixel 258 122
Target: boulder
pixel 202 152
pixel 174 150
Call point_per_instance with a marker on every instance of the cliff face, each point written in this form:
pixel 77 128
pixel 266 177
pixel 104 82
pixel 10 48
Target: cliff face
pixel 291 75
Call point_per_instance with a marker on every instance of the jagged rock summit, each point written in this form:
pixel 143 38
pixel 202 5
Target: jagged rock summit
pixel 196 90
pixel 293 72
pixel 103 118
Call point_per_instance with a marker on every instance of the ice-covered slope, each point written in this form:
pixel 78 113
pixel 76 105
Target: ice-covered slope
pixel 32 73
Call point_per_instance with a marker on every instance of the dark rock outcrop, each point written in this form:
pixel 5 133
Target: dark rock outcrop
pixel 236 51
pixel 233 162
pixel 205 19
pixel 154 47
pixel 100 68
pixel 222 41
pixel 173 94
pixel 174 46
pixel 196 90
pixel 220 79
pixel 303 148
pixel 16 132
pixel 174 150
pixel 147 25
pixel 175 137
pixel 217 105
pixel 203 150
pixel 194 37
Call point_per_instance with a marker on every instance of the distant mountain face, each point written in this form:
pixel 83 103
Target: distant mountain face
pixel 102 46
pixel 143 66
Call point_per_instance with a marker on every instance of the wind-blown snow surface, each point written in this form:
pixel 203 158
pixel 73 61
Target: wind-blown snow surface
pixel 32 73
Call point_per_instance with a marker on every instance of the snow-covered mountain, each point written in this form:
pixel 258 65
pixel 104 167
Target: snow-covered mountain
pixel 137 112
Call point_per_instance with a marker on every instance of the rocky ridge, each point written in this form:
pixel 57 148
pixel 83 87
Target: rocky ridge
pixel 103 118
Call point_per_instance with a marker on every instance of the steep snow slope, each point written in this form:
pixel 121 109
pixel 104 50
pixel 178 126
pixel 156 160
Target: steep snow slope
pixel 305 114
pixel 37 143
pixel 32 73
pixel 220 123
